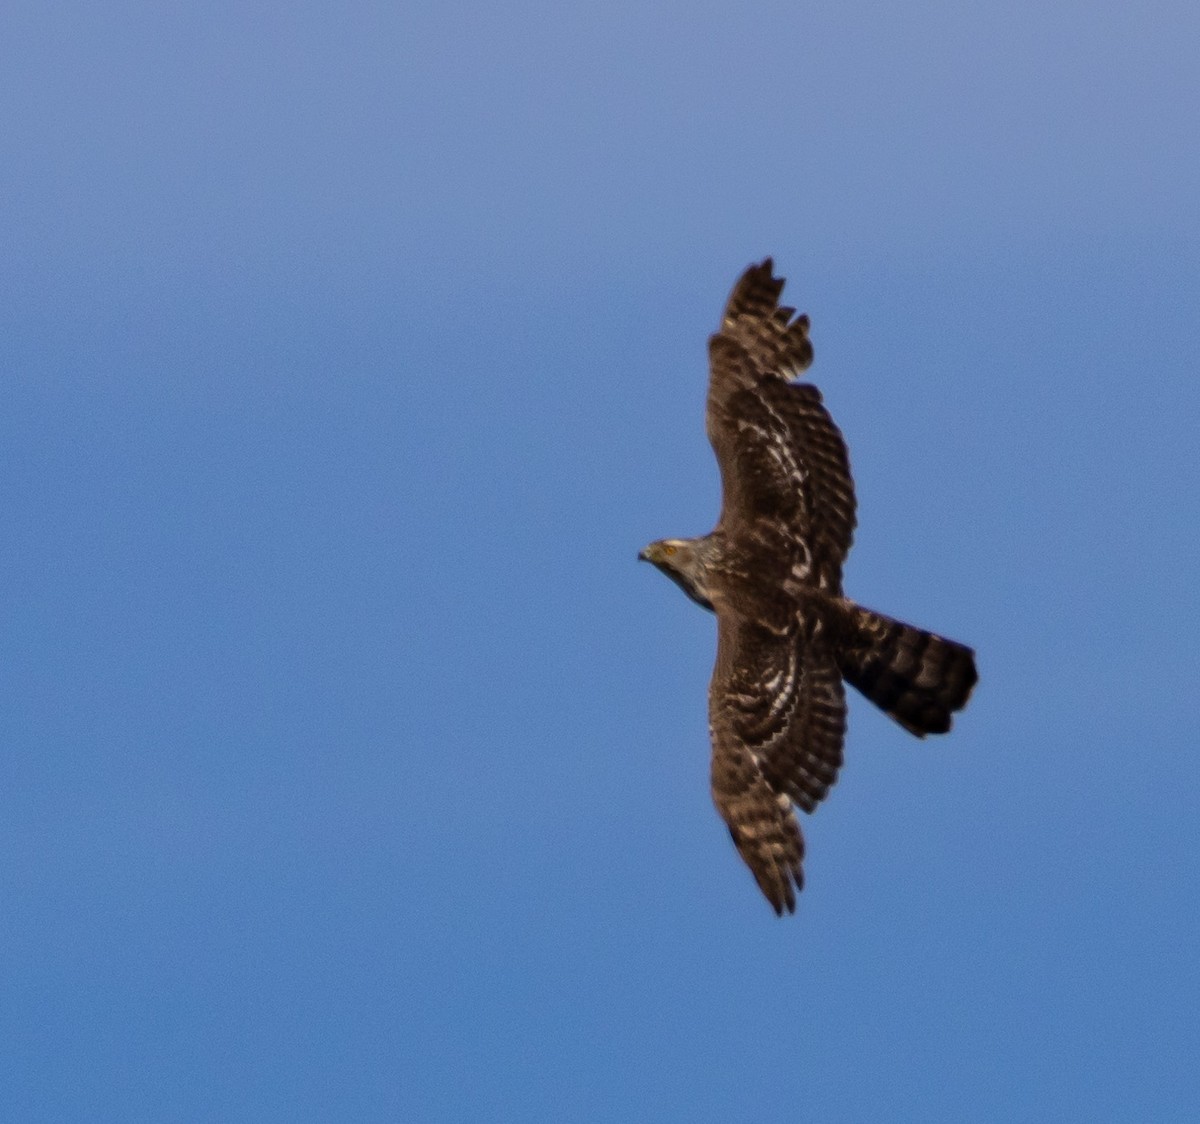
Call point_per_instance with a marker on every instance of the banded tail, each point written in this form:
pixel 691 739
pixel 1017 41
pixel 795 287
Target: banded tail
pixel 916 677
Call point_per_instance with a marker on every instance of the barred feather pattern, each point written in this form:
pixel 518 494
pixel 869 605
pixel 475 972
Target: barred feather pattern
pixel 782 457
pixel 764 329
pixel 762 825
pixel 829 517
pixel 777 715
pixel 916 677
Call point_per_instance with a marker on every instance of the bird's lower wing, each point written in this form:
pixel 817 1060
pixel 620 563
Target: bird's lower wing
pixel 777 719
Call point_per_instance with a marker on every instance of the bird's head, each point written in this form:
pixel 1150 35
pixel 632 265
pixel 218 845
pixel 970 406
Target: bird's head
pixel 683 561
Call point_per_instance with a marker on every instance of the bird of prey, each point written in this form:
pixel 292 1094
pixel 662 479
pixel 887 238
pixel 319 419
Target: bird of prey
pixel 771 571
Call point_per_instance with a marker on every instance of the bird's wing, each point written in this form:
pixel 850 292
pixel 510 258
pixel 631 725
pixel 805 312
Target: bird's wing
pixel 777 716
pixel 783 461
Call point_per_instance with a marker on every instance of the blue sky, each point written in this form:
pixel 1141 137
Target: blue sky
pixel 353 768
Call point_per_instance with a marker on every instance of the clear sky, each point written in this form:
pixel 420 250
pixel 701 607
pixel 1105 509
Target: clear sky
pixel 353 769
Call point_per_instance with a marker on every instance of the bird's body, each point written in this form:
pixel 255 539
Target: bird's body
pixel 771 570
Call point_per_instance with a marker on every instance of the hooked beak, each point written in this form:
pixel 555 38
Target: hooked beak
pixel 643 554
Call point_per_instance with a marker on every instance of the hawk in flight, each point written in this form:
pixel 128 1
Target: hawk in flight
pixel 771 570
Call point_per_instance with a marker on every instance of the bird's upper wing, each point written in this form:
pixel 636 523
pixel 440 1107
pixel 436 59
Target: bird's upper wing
pixel 782 459
pixel 777 716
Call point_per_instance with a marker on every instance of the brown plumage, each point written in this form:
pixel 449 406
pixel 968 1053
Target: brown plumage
pixel 772 571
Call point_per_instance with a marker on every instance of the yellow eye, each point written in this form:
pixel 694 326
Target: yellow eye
pixel 668 549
